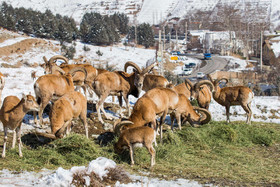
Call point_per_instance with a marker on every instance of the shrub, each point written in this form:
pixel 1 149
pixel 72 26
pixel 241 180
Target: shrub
pixel 225 133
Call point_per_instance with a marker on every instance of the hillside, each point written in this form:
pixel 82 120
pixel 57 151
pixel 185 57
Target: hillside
pixel 151 11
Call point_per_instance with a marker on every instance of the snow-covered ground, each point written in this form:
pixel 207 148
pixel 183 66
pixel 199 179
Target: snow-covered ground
pixel 100 166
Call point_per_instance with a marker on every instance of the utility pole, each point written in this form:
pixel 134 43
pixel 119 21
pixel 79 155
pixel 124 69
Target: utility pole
pixel 160 55
pixel 186 35
pixel 261 50
pixel 135 23
pixel 163 37
pixel 176 40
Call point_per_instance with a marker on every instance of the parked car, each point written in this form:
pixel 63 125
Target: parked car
pixel 187 71
pixel 200 75
pixel 190 65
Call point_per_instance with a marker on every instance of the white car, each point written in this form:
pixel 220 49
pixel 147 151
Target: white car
pixel 200 75
pixel 187 71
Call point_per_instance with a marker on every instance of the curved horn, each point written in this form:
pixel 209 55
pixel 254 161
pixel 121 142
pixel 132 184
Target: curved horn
pixel 220 79
pixel 210 78
pixel 74 70
pixel 59 132
pixel 206 115
pixel 45 59
pixel 52 59
pixel 56 68
pixel 129 63
pixel 147 69
pixel 118 124
pixel 188 82
pixel 207 82
pixel 47 135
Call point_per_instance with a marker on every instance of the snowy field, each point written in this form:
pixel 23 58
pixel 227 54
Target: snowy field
pixel 100 166
pixel 18 81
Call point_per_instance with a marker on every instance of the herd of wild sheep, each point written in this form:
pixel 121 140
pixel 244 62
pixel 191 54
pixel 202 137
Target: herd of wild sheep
pixel 161 98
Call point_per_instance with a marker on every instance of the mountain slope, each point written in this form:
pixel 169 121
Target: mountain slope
pixel 151 11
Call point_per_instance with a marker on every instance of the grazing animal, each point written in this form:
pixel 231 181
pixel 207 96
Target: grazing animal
pixel 71 105
pixel 187 112
pixel 155 102
pixel 50 87
pixel 137 137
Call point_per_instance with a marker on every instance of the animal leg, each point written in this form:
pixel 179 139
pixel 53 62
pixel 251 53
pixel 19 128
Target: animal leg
pixel 131 154
pixel 99 106
pixel 178 118
pixel 227 113
pixel 14 139
pixel 68 128
pixel 125 97
pixel 120 104
pixel 152 153
pixel 18 130
pixel 161 123
pixel 247 108
pixel 43 105
pixel 83 117
pixel 5 142
pixel 172 118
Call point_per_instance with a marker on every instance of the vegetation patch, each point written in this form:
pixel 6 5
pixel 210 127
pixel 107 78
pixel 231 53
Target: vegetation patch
pixel 234 154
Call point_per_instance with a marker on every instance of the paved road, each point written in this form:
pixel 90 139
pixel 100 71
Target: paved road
pixel 216 63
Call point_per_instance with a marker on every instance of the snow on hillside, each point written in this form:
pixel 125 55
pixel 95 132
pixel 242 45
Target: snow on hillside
pixel 151 11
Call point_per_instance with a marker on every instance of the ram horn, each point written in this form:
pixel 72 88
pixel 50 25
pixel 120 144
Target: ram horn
pixel 57 68
pixel 206 115
pixel 118 125
pixel 206 82
pixel 220 79
pixel 76 69
pixel 129 63
pixel 150 67
pixel 188 82
pixel 54 58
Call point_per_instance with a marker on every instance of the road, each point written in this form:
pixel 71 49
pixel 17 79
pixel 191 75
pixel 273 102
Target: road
pixel 216 63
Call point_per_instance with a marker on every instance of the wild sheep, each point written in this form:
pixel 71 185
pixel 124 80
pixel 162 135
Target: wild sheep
pixel 71 105
pixel 79 79
pixel 236 95
pixel 158 101
pixel 185 110
pixel 137 137
pixel 117 83
pixel 151 81
pixel 201 91
pixel 50 87
pixel 12 113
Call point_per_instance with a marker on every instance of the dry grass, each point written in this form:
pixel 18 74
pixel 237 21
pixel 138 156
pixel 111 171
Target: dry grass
pixel 114 175
pixel 7 65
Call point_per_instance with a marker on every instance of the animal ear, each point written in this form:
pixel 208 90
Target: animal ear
pixel 24 96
